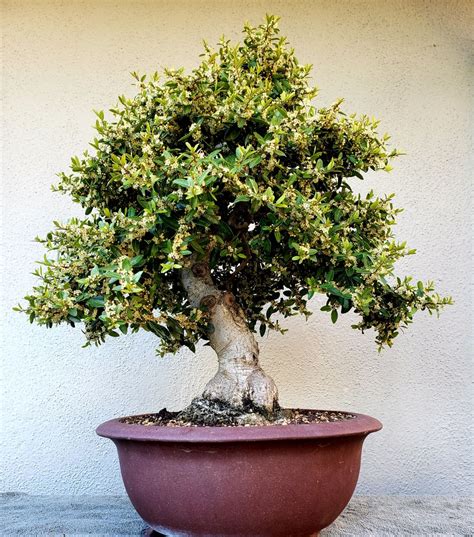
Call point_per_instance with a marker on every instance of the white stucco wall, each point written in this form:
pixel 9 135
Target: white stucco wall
pixel 405 62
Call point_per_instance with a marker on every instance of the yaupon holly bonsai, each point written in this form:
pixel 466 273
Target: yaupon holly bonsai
pixel 220 201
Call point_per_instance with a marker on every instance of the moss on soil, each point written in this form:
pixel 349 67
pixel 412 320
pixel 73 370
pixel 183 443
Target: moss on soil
pixel 203 412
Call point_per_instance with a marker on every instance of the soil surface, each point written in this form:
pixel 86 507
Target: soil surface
pixel 202 412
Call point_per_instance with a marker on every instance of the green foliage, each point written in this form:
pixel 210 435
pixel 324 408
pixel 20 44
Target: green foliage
pixel 231 162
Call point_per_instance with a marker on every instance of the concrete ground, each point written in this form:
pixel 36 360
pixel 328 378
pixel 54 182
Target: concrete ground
pixel 380 516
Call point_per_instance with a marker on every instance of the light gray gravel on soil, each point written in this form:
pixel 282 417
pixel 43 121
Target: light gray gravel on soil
pixel 379 516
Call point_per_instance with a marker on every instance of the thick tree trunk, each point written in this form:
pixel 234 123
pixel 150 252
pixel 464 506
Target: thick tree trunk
pixel 239 379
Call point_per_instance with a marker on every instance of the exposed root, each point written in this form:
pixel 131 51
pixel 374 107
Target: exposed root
pixel 203 411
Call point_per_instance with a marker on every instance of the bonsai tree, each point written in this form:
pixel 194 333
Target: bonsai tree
pixel 220 201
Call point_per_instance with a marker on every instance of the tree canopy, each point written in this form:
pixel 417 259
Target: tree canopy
pixel 231 163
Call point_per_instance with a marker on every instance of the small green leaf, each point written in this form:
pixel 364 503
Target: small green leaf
pixel 255 161
pixel 182 182
pixel 96 302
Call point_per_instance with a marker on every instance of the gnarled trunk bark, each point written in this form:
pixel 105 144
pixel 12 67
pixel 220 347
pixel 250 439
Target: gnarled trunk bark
pixel 239 379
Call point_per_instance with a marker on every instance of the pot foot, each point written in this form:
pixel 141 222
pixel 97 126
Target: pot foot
pixel 148 532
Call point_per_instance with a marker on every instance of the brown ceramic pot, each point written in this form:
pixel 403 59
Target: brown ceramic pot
pixel 260 481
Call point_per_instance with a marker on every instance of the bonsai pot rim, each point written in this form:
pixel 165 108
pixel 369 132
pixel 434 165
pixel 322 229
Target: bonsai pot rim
pixel 359 425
